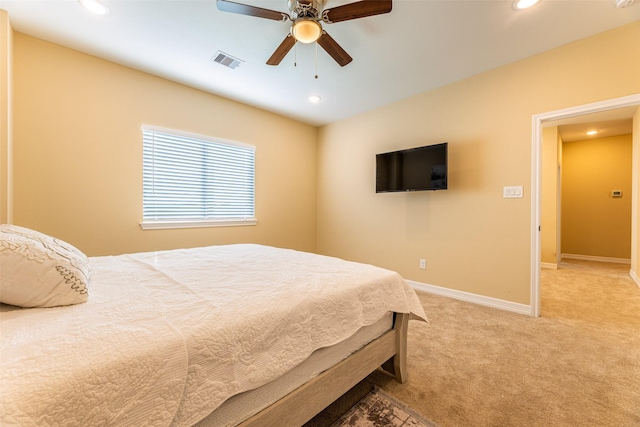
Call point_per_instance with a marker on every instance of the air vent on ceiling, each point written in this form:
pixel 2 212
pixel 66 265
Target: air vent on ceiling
pixel 226 60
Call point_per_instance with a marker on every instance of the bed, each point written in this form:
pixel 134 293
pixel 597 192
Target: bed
pixel 228 335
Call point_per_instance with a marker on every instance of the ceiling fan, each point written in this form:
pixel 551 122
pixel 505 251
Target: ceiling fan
pixel 306 17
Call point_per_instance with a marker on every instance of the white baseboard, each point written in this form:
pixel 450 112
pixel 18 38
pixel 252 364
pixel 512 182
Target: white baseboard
pixel 597 258
pixel 473 298
pixel 551 265
pixel 635 277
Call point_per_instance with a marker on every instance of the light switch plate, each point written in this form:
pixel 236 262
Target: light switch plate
pixel 512 192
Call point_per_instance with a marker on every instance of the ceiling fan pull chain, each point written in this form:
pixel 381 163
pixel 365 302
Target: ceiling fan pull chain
pixel 316 59
pixel 295 55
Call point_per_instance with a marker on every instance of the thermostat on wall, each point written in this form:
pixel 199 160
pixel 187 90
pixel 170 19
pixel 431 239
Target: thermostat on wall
pixel 616 193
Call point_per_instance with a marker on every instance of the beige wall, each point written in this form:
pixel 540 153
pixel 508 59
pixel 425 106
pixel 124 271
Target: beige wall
pixel 78 161
pixel 550 194
pixel 472 238
pixel 593 222
pixel 78 154
pixel 6 139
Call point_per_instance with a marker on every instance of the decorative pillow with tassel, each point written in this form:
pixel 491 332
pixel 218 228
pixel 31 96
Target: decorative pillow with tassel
pixel 37 270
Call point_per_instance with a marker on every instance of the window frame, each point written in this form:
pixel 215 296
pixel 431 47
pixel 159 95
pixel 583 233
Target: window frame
pixel 155 224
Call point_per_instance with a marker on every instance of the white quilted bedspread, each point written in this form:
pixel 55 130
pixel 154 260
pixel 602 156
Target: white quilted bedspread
pixel 166 337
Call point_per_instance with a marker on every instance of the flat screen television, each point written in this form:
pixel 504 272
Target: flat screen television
pixel 413 169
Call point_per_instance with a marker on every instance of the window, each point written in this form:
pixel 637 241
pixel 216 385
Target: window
pixel 196 181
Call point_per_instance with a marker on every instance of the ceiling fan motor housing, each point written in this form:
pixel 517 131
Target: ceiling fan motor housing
pixel 306 8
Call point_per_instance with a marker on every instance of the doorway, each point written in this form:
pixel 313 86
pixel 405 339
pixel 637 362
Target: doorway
pixel 627 105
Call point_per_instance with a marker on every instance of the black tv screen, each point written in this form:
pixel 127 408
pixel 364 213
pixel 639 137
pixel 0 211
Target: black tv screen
pixel 413 169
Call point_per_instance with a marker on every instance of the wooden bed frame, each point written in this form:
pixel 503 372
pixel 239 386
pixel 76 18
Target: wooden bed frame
pixel 302 404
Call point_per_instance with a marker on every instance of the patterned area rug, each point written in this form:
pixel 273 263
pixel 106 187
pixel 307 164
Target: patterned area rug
pixel 378 409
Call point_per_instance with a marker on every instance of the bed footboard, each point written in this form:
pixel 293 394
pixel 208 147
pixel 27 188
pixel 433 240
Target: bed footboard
pixel 305 402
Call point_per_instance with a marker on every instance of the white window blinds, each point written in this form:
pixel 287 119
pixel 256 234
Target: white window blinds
pixel 196 180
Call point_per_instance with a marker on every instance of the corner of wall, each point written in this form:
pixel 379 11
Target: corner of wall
pixel 635 213
pixel 6 121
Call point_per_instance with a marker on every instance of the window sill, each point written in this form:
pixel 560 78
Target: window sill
pixel 159 225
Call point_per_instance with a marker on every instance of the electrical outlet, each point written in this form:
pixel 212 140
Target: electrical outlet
pixel 423 264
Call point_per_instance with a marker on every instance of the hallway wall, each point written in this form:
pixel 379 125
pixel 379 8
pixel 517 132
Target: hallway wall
pixel 594 222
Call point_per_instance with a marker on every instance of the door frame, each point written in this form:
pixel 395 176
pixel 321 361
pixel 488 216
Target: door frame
pixel 537 122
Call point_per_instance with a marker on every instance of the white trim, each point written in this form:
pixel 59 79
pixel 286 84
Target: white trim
pixel 635 277
pixel 473 298
pixel 161 225
pixel 185 134
pixel 549 265
pixel 536 176
pixel 597 258
pixel 536 184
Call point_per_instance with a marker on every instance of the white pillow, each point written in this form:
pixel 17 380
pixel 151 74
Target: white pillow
pixel 37 270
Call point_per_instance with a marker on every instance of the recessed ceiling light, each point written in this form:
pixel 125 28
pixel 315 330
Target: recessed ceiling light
pixel 95 6
pixel 524 4
pixel 591 132
pixel 314 99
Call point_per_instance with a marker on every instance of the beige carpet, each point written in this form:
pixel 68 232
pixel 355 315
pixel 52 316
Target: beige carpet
pixel 576 365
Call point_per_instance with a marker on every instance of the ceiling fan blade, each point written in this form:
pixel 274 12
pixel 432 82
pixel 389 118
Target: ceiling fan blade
pixel 360 9
pixel 282 50
pixel 245 9
pixel 333 49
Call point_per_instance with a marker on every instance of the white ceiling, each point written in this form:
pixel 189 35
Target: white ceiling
pixel 608 123
pixel 420 45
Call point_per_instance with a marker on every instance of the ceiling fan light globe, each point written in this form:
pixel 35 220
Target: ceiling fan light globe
pixel 524 4
pixel 95 6
pixel 306 30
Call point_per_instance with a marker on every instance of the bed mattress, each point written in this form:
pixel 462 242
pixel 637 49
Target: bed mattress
pixel 244 405
pixel 167 337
